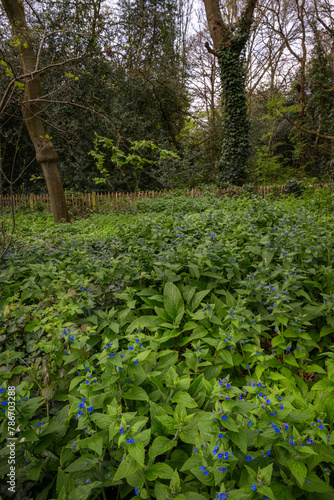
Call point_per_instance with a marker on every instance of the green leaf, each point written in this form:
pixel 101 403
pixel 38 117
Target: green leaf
pixel 189 436
pixel 34 470
pixel 152 323
pixel 299 470
pixel 161 470
pixel 101 420
pixel 316 485
pixel 230 424
pixel 85 462
pixel 126 469
pixel 266 474
pixel 136 393
pixel 64 480
pixel 324 385
pixel 239 438
pixel 137 451
pixel 93 443
pixel 193 461
pixel 185 398
pixel 197 299
pixel 227 356
pixel 283 320
pixel 175 483
pixel 84 492
pixel 265 490
pixel 31 406
pixel 281 491
pixel 192 495
pixel 173 300
pixel 160 445
pixel 326 330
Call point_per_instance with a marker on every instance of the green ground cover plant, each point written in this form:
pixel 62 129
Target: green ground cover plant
pixel 181 351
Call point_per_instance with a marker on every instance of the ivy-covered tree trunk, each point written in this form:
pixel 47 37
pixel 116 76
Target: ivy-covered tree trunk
pixel 235 143
pixel 229 45
pixel 46 155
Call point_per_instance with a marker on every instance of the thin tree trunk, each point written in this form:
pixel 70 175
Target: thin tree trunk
pixel 46 154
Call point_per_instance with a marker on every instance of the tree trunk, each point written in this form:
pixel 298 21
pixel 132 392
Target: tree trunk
pixel 46 154
pixel 229 43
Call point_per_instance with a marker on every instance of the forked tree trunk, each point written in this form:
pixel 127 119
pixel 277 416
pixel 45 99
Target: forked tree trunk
pixel 46 154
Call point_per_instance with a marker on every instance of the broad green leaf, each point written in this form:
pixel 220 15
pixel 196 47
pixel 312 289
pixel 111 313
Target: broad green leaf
pixel 101 420
pixel 93 443
pixel 184 398
pixel 299 470
pixel 173 300
pixel 152 323
pixel 161 445
pixel 161 470
pixel 137 451
pixel 136 393
pixel 265 490
pixel 239 438
pixel 64 480
pixel 324 385
pixel 193 461
pixel 34 470
pixel 85 462
pixel 126 469
pixel 197 299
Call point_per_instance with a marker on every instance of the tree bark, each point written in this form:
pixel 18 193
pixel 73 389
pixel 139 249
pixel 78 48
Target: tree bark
pixel 46 154
pixel 229 42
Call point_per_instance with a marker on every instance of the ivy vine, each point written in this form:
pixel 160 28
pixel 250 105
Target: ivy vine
pixel 235 141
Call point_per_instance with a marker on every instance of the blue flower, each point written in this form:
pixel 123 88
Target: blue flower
pixel 254 487
pixel 121 431
pixel 90 408
pixel 224 417
pixel 130 441
pixel 248 458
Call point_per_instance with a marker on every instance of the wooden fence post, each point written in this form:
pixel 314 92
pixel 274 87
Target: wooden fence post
pixel 31 201
pixel 94 201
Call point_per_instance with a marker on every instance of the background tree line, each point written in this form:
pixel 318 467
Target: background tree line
pixel 149 70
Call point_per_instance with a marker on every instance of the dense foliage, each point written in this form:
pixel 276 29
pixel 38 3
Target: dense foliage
pixel 144 75
pixel 182 351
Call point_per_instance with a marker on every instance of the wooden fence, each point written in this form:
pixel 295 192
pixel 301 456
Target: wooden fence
pixel 107 202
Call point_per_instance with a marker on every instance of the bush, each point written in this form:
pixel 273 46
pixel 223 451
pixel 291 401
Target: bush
pixel 294 187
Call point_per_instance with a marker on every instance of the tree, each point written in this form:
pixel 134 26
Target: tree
pixel 229 40
pixel 46 154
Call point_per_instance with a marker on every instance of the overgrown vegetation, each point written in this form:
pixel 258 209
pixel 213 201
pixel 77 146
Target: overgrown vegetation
pixel 182 351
